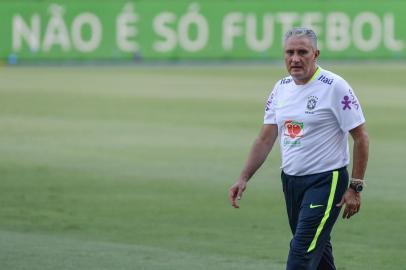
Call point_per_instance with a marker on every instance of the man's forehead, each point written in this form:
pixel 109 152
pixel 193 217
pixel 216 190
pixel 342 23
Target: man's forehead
pixel 298 42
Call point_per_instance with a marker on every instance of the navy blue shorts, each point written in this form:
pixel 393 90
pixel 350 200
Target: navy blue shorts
pixel 311 205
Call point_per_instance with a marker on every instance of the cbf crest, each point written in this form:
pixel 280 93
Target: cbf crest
pixel 311 104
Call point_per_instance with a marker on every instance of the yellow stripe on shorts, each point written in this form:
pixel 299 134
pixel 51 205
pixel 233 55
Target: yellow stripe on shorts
pixel 326 213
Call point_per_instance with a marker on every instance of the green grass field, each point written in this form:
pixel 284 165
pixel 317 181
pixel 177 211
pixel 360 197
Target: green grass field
pixel 128 168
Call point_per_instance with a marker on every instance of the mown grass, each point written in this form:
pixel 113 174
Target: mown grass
pixel 128 168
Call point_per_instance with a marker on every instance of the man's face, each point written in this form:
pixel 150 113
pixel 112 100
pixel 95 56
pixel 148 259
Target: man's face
pixel 300 58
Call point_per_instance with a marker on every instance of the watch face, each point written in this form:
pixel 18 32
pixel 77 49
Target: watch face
pixel 358 188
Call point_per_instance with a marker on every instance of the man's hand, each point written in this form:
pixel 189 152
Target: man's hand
pixel 352 201
pixel 259 151
pixel 235 192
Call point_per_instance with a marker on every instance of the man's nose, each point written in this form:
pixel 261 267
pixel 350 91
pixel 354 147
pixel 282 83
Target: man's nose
pixel 295 57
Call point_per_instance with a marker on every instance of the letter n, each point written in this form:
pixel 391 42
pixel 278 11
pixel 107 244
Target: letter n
pixel 28 33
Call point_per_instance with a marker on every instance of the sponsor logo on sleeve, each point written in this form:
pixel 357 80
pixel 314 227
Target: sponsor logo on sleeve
pixel 269 102
pixel 350 101
pixel 268 106
pixel 346 102
pixel 354 100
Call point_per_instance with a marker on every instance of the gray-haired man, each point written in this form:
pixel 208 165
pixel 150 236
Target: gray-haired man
pixel 312 111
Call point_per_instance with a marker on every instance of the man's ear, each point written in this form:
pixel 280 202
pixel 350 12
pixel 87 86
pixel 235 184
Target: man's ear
pixel 316 54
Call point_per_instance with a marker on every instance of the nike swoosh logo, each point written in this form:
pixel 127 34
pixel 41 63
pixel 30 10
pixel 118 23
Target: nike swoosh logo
pixel 315 205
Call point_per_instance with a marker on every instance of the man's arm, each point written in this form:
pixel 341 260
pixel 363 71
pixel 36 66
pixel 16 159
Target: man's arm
pixel 360 152
pixel 352 199
pixel 259 151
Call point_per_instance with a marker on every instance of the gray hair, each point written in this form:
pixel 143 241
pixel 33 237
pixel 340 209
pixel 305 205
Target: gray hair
pixel 302 32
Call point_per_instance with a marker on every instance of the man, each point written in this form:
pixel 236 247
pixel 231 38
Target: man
pixel 312 111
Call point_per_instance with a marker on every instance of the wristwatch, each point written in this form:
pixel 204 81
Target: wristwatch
pixel 357 186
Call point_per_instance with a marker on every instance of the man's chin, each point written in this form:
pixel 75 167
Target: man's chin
pixel 297 75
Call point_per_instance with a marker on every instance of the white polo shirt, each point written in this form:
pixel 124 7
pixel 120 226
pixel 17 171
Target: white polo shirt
pixel 313 122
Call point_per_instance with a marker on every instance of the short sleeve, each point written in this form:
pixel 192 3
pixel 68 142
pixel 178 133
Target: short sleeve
pixel 270 117
pixel 346 106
